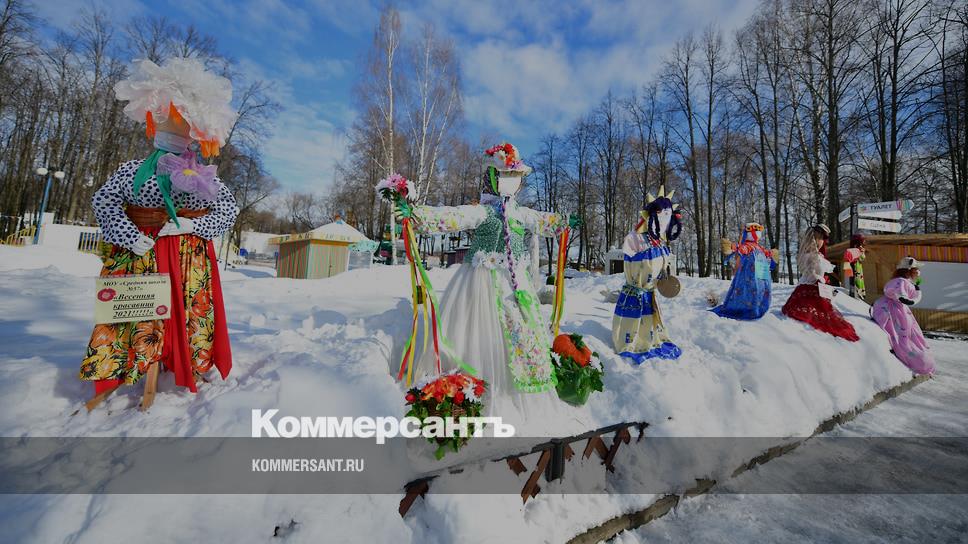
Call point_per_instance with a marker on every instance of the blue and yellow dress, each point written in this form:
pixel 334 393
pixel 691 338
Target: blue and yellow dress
pixel 637 329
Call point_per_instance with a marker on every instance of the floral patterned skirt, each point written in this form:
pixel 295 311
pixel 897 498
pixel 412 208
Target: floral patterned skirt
pixel 189 343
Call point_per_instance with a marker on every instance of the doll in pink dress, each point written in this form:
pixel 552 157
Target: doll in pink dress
pixel 893 313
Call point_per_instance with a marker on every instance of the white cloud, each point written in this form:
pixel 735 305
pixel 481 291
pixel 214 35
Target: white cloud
pixel 508 87
pixel 534 67
pixel 65 14
pixel 303 151
pixel 307 137
pixel 316 69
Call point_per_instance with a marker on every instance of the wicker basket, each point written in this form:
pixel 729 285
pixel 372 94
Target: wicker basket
pixel 457 413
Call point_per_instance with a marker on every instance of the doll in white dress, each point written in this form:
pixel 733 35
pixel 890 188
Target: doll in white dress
pixel 490 312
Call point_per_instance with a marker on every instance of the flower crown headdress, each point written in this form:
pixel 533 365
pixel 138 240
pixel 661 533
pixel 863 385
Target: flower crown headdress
pixel 505 158
pixel 180 88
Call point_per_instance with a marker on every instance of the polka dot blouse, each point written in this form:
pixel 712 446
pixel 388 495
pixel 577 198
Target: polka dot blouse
pixel 117 228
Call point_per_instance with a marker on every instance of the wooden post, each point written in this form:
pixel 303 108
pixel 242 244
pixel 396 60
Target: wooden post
pixel 531 488
pixel 414 490
pixel 516 466
pixel 621 436
pixel 556 468
pixel 151 386
pixel 595 445
pixel 99 398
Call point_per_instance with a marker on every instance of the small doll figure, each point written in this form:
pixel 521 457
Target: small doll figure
pixel 854 267
pixel 748 297
pixel 806 303
pixel 637 329
pixel 893 313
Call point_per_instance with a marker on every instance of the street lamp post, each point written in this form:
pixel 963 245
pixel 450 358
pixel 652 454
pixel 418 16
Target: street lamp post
pixel 43 203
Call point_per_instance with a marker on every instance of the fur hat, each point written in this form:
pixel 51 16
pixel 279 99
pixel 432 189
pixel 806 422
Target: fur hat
pixel 907 263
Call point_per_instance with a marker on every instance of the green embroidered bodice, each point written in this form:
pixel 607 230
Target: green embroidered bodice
pixel 489 236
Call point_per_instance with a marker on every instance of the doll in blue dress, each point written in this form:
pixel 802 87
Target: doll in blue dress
pixel 748 297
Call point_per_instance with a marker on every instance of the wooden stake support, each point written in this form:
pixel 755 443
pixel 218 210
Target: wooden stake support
pixel 99 398
pixel 595 445
pixel 516 466
pixel 414 490
pixel 641 427
pixel 551 461
pixel 151 386
pixel 622 436
pixel 531 488
pixel 569 453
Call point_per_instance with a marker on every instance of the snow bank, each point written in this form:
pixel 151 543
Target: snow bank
pixel 328 347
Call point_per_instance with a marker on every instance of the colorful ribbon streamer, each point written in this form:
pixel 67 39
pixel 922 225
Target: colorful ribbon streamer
pixel 558 309
pixel 423 295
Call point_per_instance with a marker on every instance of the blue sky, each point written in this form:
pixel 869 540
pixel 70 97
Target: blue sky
pixel 528 68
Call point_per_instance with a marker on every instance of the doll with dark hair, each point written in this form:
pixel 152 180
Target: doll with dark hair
pixel 637 329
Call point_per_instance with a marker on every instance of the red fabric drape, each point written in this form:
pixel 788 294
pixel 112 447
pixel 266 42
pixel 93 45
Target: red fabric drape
pixel 806 304
pixel 177 354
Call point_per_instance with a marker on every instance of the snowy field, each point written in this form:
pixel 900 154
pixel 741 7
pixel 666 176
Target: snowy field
pixel 937 408
pixel 328 347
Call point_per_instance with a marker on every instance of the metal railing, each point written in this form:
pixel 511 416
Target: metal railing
pixel 89 242
pixel 22 237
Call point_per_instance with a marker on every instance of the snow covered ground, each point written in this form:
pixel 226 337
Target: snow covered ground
pixel 328 347
pixel 937 408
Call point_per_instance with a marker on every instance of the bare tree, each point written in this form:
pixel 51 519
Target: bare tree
pixel 679 82
pixel 434 105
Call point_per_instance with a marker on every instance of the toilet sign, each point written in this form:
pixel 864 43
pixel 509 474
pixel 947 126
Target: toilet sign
pixel 881 207
pixel 879 216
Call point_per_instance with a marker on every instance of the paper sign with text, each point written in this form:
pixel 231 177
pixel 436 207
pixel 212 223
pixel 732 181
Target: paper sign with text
pixel 762 269
pixel 122 299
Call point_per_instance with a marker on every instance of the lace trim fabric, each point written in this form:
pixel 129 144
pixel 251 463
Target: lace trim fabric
pixel 493 260
pixel 526 341
pixel 438 219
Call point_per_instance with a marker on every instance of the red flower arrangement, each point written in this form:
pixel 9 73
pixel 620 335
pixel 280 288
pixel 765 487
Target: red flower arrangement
pixel 576 376
pixel 506 152
pixel 447 396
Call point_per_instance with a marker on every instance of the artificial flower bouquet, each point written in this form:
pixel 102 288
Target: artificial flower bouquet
pixel 577 368
pixel 507 154
pixel 451 395
pixel 398 191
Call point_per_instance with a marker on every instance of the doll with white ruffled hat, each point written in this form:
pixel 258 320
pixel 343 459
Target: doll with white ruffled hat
pixel 159 215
